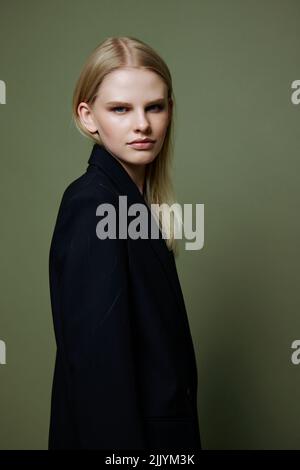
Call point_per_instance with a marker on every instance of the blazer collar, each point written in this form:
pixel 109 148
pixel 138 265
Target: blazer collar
pixel 105 161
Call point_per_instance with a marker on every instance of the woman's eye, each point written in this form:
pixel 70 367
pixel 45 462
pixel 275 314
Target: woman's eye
pixel 159 107
pixel 118 107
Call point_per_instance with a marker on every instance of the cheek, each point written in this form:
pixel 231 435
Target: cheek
pixel 161 124
pixel 110 125
pixel 115 123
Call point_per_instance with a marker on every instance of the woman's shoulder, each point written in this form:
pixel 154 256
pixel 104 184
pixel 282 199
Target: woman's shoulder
pixel 81 198
pixel 78 217
pixel 89 185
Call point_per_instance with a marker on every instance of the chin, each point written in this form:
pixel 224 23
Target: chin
pixel 147 159
pixel 142 156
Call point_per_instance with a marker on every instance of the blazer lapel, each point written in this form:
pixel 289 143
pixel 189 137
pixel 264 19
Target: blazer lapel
pixel 124 185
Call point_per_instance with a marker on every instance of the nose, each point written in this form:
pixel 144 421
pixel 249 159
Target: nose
pixel 141 121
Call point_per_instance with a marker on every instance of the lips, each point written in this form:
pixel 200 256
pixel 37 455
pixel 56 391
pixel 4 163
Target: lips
pixel 144 141
pixel 142 145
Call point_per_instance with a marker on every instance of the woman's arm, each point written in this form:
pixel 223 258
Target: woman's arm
pixel 97 341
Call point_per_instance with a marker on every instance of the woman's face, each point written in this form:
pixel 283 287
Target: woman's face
pixel 130 104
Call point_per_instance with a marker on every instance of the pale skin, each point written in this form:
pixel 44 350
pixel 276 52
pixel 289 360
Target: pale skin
pixel 141 109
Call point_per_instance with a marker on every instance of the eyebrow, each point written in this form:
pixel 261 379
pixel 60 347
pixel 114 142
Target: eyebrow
pixel 118 103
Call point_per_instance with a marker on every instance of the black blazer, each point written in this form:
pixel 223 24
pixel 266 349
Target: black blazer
pixel 125 373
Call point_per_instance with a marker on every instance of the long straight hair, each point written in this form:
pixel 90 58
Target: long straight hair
pixel 112 54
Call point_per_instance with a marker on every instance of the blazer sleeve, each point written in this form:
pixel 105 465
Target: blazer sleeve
pixel 97 334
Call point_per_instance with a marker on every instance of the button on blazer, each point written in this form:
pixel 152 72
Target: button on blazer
pixel 125 374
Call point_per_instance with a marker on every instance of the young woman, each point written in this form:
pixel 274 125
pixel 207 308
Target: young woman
pixel 125 372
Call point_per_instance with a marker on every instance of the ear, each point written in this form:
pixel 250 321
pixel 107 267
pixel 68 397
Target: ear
pixel 86 117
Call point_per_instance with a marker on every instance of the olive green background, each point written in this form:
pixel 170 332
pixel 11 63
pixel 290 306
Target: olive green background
pixel 236 151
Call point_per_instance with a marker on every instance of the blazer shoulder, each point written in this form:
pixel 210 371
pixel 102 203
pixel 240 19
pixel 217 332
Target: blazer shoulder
pixel 80 200
pixel 90 184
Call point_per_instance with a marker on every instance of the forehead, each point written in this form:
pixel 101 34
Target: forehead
pixel 132 84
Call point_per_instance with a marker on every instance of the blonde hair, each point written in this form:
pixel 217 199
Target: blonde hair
pixel 112 54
